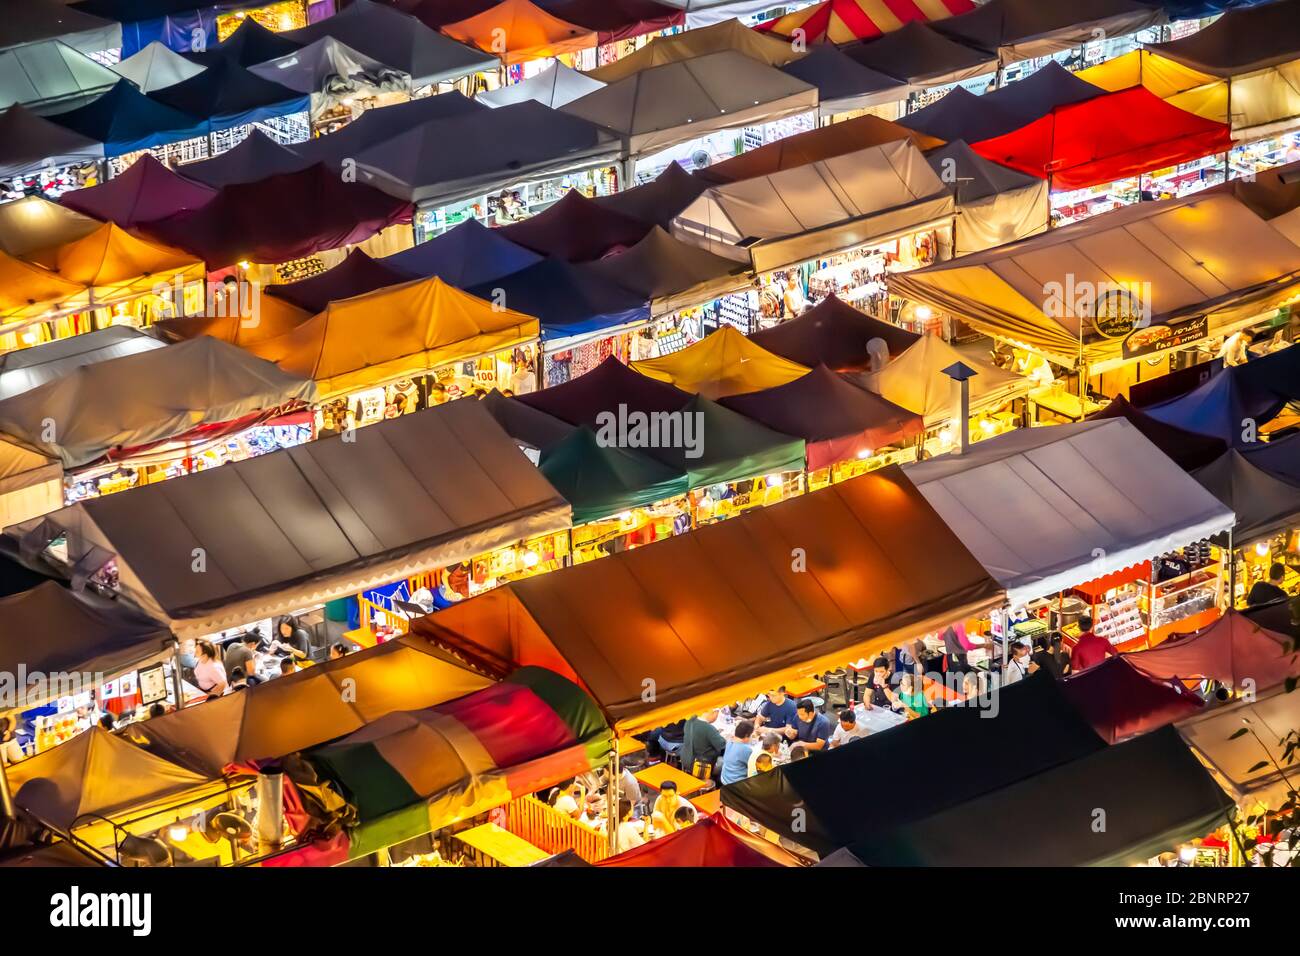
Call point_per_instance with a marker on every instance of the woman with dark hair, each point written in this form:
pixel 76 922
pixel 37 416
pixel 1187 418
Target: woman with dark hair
pixel 291 638
pixel 209 672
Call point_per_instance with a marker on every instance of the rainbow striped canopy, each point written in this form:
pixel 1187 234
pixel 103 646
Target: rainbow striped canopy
pixel 844 21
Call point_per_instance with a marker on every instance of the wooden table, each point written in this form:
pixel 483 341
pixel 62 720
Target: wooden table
pixel 629 745
pixel 501 845
pixel 1063 403
pixel 708 803
pixel 804 687
pixel 656 775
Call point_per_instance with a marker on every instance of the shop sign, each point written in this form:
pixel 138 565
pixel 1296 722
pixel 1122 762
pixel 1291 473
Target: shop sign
pixel 296 270
pixel 153 684
pixel 1165 335
pixel 1117 314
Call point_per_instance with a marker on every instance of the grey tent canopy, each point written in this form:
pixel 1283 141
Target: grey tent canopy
pixel 554 87
pixel 156 67
pixel 1024 29
pixel 843 84
pixel 25 369
pixel 31 21
pixel 51 76
pixel 30 143
pixel 329 65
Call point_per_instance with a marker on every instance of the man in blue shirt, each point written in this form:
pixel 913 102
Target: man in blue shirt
pixel 778 712
pixel 811 728
pixel 735 759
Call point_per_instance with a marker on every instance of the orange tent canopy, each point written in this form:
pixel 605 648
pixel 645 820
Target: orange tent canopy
pixel 517 30
pixel 114 264
pixel 843 21
pixel 27 291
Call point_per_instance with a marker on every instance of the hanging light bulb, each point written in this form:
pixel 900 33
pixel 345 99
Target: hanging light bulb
pixel 531 558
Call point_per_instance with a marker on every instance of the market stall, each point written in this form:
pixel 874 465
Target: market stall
pixel 844 21
pixel 712 841
pixel 995 205
pixel 257 156
pixel 658 200
pixel 834 334
pixel 671 274
pixel 42 155
pixel 1189 450
pixel 919 55
pixel 127 121
pixel 674 47
pixel 517 31
pixel 248 44
pixel 156 67
pixel 230 318
pixel 555 86
pixel 33 223
pixel 1025 29
pixel 1225 405
pixel 1121 701
pixel 615 20
pixel 722 364
pixel 50 75
pixel 356 275
pixel 843 84
pixel 341 82
pixel 576 229
pixel 25 369
pixel 147 191
pixel 533 429
pixel 464 256
pixel 28 294
pixel 230 97
pixel 1235 651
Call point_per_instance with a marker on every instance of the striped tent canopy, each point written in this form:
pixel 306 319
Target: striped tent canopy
pixel 844 21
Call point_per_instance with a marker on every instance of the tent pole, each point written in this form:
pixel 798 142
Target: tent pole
pixel 1231 557
pixel 178 685
pixel 612 798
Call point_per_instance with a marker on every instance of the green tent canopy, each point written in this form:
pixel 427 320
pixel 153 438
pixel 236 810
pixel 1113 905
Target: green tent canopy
pixel 733 447
pixel 601 480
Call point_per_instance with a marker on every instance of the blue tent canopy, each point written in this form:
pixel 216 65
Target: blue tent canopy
pixel 1195 9
pixel 1279 458
pixel 465 256
pixel 1253 392
pixel 568 300
pixel 229 96
pixel 126 120
pixel 249 45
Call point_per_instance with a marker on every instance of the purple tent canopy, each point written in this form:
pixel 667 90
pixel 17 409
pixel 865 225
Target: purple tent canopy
pixel 605 388
pixel 467 255
pixel 659 201
pixel 1188 449
pixel 1256 391
pixel 146 192
pixel 355 275
pixel 257 157
pixel 576 229
pixel 835 334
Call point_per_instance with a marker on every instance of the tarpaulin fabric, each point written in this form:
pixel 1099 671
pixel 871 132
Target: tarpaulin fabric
pixel 228 322
pixel 310 707
pixel 721 364
pixel 251 43
pixel 1235 651
pixel 281 218
pixel 33 223
pixel 1223 406
pixel 394 332
pixel 843 21
pixel 843 84
pixel 713 841
pixel 31 143
pixel 1024 29
pixel 617 19
pixel 148 190
pixel 156 67
pixel 1024 101
pixel 603 390
pixel 227 95
pixel 464 256
pixel 600 479
pixel 662 106
pixel 1048 509
pixel 329 63
pixel 305 525
pixel 34 20
pixel 1190 450
pixel 995 205
pixel 256 157
pixel 835 334
pixel 950 757
pixel 916 381
pixel 576 229
pixel 113 264
pixel 25 369
pixel 1280 457
pixel 554 87
pixel 750 619
pixel 1121 701
pixel 147 397
pixel 825 142
pixel 659 200
pixel 1277 373
pixel 529 32
pixel 182 32
pixel 1253 766
pixel 1081 145
pixel 976 177
pixel 671 273
pixel 732 448
pixel 355 275
pixel 1263 503
pixel 1198 9
pixel 1155 791
pixel 839 421
pixel 1240 41
pixel 1176 84
pixel 568 300
pixel 727 35
pixel 126 120
pixel 961 115
pixel 28 291
pixel 397 40
pixel 527 425
pixel 918 54
pixel 51 75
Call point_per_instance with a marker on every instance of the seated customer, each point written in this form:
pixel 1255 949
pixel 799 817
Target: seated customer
pixel 778 712
pixel 812 728
pixel 735 758
pixel 769 744
pixel 848 729
pixel 663 815
pixel 702 745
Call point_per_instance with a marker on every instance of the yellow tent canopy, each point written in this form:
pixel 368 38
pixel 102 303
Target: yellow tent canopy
pixel 724 363
pixel 33 223
pixel 271 316
pixel 727 35
pixel 113 264
pixel 1181 86
pixel 517 31
pixel 395 332
pixel 27 291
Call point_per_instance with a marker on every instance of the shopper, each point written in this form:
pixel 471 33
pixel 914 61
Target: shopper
pixel 629 833
pixel 1053 658
pixel 209 675
pixel 1089 649
pixel 1270 591
pixel 770 745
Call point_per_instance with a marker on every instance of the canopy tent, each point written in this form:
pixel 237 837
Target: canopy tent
pixel 843 84
pixel 251 43
pixel 721 364
pixel 115 265
pixel 966 755
pixel 915 380
pixel 464 256
pixel 918 54
pixel 530 427
pixel 256 157
pixel 1026 29
pixel 662 106
pixel 436 14
pixel 1219 407
pixel 1155 792
pixel 34 223
pixel 227 95
pixel 820 208
pixel 51 76
pixel 79 633
pixel 615 20
pixel 1234 650
pixel 611 384
pixel 31 484
pixel 838 420
pixel 659 200
pixel 835 334
pixel 844 21
pixel 1263 503
pixel 732 448
pixel 1240 41
pixel 229 324
pixel 34 20
pixel 554 87
pixel 1178 85
pixel 568 300
pixel 1246 765
pixel 1079 145
pixel 309 524
pixel 114 406
pixel 394 332
pixel 31 143
pixel 670 273
pixel 147 191
pixel 1189 450
pixel 29 291
pixel 412 772
pixel 494 149
pixel 576 229
pixel 751 618
pixel 1279 457
pixel 1120 701
pixel 995 205
pixel 1201 255
pixel 713 841
pixel 307 708
pixel 675 47
pixel 25 369
pixel 1048 509
pixel 355 275
pixel 801 149
pixel 156 67
pixel 281 218
pixel 528 32
pixel 126 121
pixel 600 479
pixel 330 67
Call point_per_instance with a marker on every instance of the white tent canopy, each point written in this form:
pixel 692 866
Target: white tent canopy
pixel 329 66
pixel 555 86
pixel 25 369
pixel 995 205
pixel 1234 760
pixel 156 67
pixel 51 76
pixel 1046 509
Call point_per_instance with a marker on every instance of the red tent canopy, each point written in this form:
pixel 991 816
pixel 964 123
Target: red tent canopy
pixel 1120 701
pixel 577 229
pixel 1232 650
pixel 843 21
pixel 281 218
pixel 715 841
pixel 617 19
pixel 147 191
pixel 1107 138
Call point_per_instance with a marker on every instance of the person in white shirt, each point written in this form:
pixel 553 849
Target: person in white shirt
pixel 628 836
pixel 1019 666
pixel 847 730
pixel 566 801
pixel 770 744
